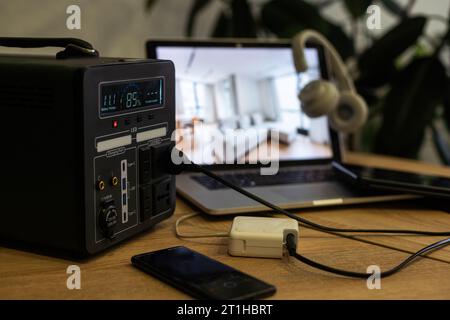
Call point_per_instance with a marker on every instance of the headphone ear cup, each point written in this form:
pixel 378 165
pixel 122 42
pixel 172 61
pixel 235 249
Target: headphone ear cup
pixel 318 98
pixel 350 114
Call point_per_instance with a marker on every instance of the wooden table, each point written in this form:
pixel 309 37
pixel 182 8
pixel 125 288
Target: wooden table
pixel 25 275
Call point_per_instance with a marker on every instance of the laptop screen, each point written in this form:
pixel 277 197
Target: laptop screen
pixel 240 105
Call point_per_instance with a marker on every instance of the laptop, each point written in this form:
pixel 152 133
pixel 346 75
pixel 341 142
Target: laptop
pixel 237 112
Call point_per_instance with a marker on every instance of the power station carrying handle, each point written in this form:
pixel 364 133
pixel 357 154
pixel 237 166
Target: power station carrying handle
pixel 73 47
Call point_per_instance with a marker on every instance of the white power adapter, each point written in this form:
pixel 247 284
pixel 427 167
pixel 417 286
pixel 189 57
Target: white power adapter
pixel 260 237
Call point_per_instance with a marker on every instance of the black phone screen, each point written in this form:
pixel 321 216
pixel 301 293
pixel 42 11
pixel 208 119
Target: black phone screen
pixel 397 180
pixel 201 276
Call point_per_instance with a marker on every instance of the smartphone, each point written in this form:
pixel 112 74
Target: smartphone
pixel 200 276
pixel 397 181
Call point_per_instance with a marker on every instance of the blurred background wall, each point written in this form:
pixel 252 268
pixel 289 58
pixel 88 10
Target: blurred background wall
pixel 121 27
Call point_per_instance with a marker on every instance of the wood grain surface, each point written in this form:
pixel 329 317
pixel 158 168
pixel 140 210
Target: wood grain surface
pixel 25 275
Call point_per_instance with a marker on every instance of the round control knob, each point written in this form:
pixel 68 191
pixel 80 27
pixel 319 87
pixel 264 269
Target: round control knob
pixel 108 220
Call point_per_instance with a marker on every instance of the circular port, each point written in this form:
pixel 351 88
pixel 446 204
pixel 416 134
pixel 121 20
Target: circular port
pixel 114 181
pixel 101 185
pixel 108 219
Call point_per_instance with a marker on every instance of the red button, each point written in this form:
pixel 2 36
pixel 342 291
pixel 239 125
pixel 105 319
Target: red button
pixel 115 124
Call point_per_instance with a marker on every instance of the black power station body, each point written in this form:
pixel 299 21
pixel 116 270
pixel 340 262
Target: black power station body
pixel 82 141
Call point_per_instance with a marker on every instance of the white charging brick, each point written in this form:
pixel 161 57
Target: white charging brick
pixel 260 237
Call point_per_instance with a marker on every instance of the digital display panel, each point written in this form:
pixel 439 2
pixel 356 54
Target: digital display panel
pixel 130 96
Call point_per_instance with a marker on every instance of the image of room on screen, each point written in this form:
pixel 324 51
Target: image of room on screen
pixel 246 92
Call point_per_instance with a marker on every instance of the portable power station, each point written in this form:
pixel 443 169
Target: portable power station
pixel 83 138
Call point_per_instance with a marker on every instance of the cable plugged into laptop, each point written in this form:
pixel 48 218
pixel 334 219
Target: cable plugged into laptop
pixel 187 165
pixel 289 239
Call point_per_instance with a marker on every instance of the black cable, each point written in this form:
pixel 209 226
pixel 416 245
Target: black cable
pixel 314 225
pixel 290 241
pixel 292 249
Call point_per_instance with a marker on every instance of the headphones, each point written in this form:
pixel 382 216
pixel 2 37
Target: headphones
pixel 346 109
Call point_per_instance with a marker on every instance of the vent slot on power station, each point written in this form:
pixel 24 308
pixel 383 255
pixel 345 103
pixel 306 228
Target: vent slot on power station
pixel 25 97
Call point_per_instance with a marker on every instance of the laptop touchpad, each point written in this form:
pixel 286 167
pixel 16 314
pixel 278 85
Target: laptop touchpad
pixel 313 191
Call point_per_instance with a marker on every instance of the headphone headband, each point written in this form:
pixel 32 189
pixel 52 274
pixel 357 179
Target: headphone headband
pixel 338 66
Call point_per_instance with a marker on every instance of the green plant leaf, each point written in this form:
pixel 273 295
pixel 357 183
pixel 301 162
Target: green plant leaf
pixel 277 17
pixel 368 134
pixel 239 24
pixel 377 64
pixel 282 16
pixel 243 22
pixel 410 106
pixel 447 105
pixel 326 3
pixel 340 40
pixel 149 4
pixel 285 18
pixel 441 145
pixel 223 27
pixel 357 8
pixel 369 80
pixel 394 7
pixel 368 94
pixel 196 8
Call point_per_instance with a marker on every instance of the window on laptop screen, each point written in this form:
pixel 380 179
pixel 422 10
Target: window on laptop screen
pixel 250 92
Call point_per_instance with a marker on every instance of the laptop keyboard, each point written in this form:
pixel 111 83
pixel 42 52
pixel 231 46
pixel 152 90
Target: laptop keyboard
pixel 248 180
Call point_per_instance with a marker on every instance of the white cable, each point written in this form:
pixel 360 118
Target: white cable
pixel 195 235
